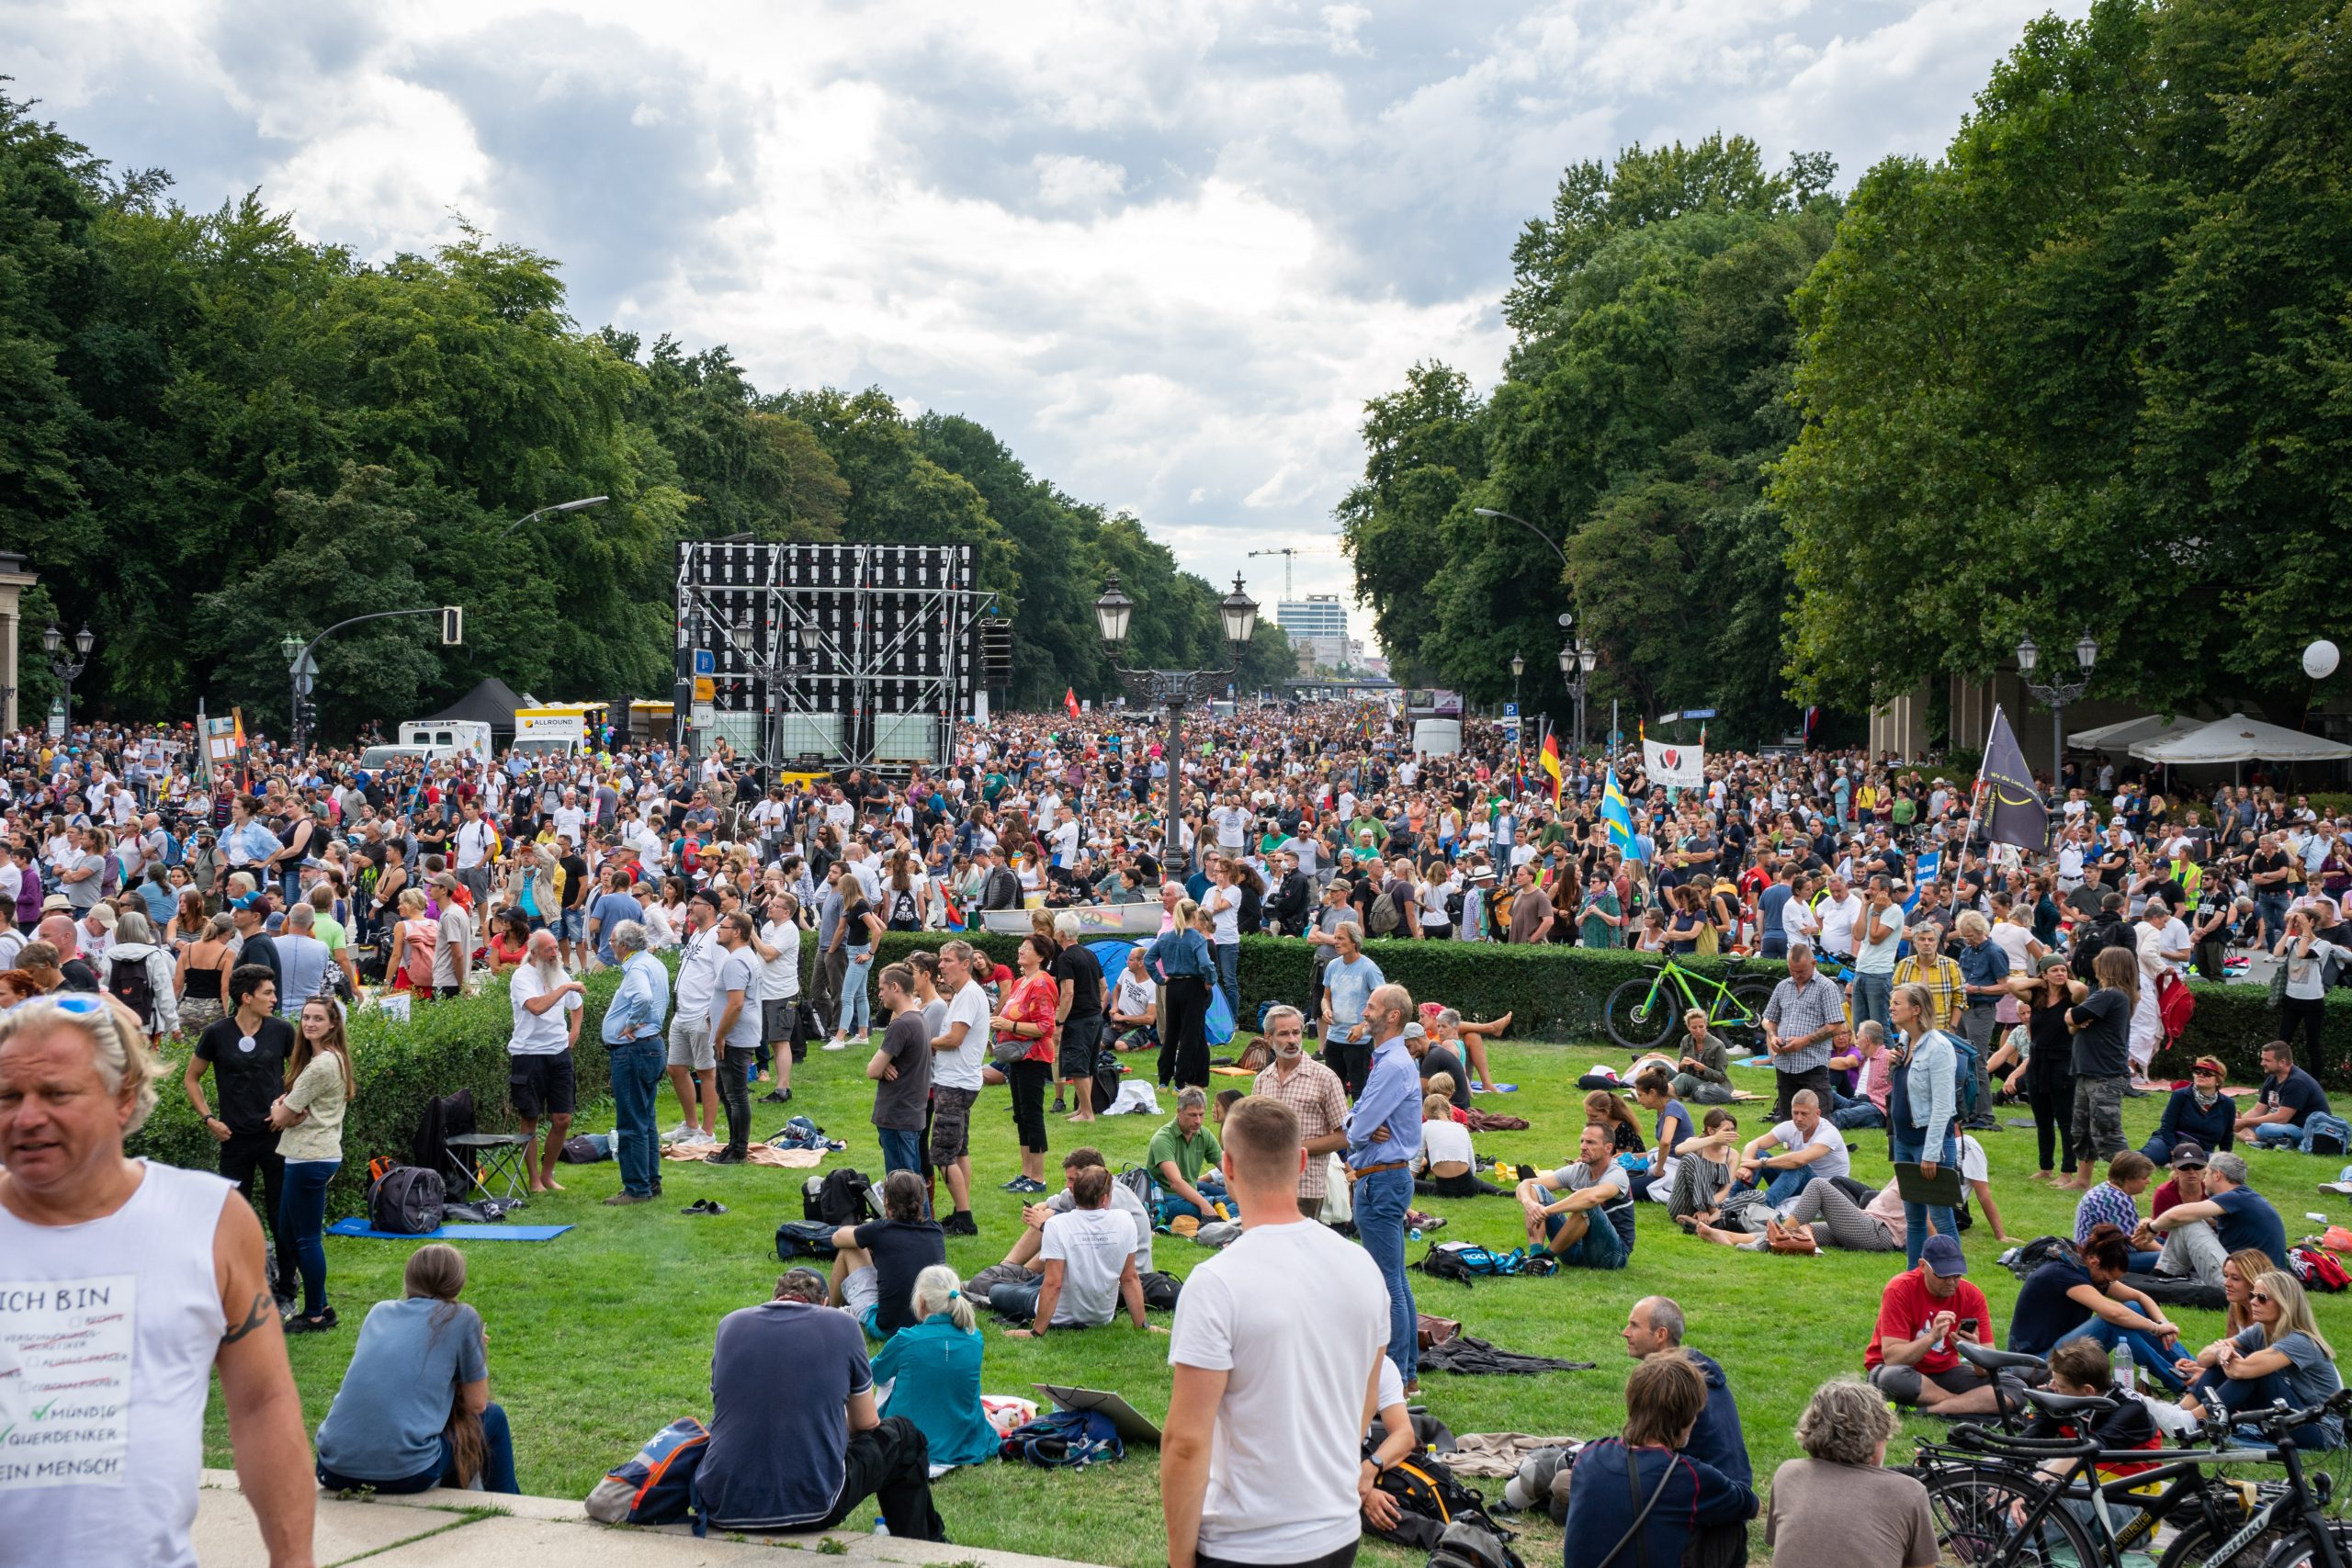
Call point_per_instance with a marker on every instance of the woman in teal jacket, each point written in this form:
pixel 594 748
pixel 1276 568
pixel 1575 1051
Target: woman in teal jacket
pixel 933 1370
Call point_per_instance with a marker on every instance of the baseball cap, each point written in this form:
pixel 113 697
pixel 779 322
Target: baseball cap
pixel 1943 1256
pixel 2187 1155
pixel 2209 1065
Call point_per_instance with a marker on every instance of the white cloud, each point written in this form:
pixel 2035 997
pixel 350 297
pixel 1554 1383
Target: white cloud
pixel 1165 250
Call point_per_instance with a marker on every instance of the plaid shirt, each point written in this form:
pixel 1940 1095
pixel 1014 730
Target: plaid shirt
pixel 1798 1010
pixel 1315 1096
pixel 1943 983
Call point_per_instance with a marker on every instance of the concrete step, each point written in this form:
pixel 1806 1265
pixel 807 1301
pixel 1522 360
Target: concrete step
pixel 479 1529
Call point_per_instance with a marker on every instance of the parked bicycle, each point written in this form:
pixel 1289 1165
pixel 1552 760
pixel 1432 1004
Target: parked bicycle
pixel 1642 1012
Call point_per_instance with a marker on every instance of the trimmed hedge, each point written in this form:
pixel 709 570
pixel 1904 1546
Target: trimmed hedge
pixel 397 1067
pixel 1558 993
pixel 1555 993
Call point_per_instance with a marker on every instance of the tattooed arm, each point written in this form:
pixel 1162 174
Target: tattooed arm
pixel 266 1431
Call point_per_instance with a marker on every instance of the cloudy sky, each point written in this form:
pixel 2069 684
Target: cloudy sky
pixel 1166 251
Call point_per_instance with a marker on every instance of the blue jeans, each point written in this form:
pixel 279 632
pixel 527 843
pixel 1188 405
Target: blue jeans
pixel 2151 1355
pixel 1873 998
pixel 1919 1217
pixel 301 1215
pixel 901 1149
pixel 1786 1184
pixel 2284 1135
pixel 857 1017
pixel 1169 1206
pixel 497 1470
pixel 1381 1201
pixel 1228 973
pixel 637 1067
pixel 1852 1113
pixel 2257 1393
pixel 1019 1298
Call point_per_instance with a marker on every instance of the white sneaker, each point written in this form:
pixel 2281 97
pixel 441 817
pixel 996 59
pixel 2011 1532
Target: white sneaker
pixel 835 1045
pixel 681 1133
pixel 700 1136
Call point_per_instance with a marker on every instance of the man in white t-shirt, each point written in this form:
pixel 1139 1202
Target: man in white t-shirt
pixel 540 1079
pixel 1277 1345
pixel 779 951
pixel 1796 1152
pixel 1087 1254
pixel 693 1058
pixel 958 1053
pixel 1232 823
pixel 1837 911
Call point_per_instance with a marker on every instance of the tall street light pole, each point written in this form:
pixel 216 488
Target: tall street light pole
pixel 2056 694
pixel 582 504
pixel 67 669
pixel 1518 668
pixel 1174 689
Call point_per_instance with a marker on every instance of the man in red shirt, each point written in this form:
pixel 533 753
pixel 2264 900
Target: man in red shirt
pixel 1924 1311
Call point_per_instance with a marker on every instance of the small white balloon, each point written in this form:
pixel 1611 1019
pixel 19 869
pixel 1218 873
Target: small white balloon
pixel 2320 660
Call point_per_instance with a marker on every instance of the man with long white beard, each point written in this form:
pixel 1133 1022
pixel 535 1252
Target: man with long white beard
pixel 540 1079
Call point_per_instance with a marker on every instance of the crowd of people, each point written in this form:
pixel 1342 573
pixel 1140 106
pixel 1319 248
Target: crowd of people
pixel 142 907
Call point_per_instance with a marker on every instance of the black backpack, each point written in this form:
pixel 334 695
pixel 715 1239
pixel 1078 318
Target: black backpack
pixel 1429 1501
pixel 1463 1544
pixel 406 1200
pixel 796 1239
pixel 127 982
pixel 842 1197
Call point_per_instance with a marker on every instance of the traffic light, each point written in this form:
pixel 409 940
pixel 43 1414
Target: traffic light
pixel 453 625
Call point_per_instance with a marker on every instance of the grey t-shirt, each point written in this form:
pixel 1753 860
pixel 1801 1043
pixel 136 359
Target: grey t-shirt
pixel 900 1103
pixel 2310 1376
pixel 739 971
pixel 1618 1207
pixel 302 966
pixel 385 1424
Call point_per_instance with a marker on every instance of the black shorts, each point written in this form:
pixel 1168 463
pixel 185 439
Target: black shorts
pixel 542 1085
pixel 1081 1038
pixel 776 1020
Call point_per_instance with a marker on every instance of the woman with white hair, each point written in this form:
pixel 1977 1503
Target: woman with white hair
pixel 1839 1504
pixel 933 1372
pixel 148 972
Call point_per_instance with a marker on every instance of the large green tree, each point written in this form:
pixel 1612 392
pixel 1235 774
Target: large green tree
pixel 2092 370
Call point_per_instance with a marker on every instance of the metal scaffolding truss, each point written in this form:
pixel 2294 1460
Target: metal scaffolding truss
pixel 862 655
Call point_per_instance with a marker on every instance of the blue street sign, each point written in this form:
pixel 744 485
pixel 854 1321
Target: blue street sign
pixel 1510 710
pixel 706 661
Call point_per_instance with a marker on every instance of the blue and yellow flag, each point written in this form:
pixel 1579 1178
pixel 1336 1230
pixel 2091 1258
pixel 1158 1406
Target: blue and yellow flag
pixel 1618 814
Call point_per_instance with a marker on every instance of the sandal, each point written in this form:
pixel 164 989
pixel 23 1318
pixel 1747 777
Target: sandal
pixel 705 1206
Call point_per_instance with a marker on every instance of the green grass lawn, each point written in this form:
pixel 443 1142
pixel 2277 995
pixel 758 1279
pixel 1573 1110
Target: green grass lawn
pixel 600 1337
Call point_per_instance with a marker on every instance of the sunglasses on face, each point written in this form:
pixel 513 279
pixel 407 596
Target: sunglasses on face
pixel 2259 1296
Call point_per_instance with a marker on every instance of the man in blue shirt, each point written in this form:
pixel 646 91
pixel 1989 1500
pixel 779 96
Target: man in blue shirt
pixel 1349 982
pixel 1383 1139
pixel 638 1049
pixel 612 906
pixel 1654 1327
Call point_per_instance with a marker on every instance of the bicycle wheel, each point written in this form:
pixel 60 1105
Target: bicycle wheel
pixel 2298 1550
pixel 1748 1018
pixel 1639 1014
pixel 1973 1528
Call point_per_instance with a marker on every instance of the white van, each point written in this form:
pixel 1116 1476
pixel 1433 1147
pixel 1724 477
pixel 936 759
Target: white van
pixel 466 738
pixel 558 731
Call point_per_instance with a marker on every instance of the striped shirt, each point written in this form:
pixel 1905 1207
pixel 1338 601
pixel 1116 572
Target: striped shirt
pixel 1316 1097
pixel 2106 1204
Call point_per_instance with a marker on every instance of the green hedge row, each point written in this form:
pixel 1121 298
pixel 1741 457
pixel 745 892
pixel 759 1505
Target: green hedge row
pixel 1555 993
pixel 398 1066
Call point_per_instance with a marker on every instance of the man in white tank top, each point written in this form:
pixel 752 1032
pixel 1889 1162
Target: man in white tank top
pixel 122 1285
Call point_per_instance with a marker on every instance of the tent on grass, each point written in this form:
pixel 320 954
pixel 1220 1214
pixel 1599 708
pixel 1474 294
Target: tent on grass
pixel 1111 954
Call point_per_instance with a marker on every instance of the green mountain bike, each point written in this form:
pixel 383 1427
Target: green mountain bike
pixel 1642 1012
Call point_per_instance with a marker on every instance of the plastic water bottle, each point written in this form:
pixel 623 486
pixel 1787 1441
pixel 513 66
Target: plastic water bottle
pixel 2126 1372
pixel 1413 1234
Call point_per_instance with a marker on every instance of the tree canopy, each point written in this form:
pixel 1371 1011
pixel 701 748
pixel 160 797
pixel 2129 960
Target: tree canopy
pixel 214 432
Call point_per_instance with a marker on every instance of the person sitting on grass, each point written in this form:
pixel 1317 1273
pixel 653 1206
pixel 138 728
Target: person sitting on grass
pixel 2197 1113
pixel 1019 1266
pixel 2115 1201
pixel 1447 1166
pixel 933 1372
pixel 2200 1236
pixel 1824 1214
pixel 414 1411
pixel 1809 1150
pixel 1703 1172
pixel 1590 1224
pixel 1922 1314
pixel 1135 1006
pixel 2283 1356
pixel 795 1442
pixel 2083 1297
pixel 1616 1476
pixel 1089 1267
pixel 1839 1504
pixel 1446 1025
pixel 1605 1109
pixel 1652 1089
pixel 1703 1075
pixel 2080 1369
pixel 1180 1152
pixel 875 1264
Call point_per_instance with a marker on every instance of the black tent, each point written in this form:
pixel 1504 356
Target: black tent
pixel 492 703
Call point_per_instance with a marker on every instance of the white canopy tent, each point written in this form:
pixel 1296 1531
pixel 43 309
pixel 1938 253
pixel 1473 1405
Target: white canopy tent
pixel 2238 739
pixel 2131 732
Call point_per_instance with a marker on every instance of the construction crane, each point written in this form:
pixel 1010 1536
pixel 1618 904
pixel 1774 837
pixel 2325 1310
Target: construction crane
pixel 1289 551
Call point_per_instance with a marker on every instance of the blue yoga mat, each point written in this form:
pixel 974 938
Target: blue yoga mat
pixel 359 1227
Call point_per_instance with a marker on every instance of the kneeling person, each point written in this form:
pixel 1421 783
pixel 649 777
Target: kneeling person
pixel 1591 1224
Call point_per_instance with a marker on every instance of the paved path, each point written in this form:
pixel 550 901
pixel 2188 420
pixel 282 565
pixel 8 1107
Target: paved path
pixel 460 1529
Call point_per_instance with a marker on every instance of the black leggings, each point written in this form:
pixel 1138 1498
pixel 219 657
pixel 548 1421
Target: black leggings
pixel 1028 1081
pixel 2305 1013
pixel 1184 1043
pixel 2051 1095
pixel 735 1093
